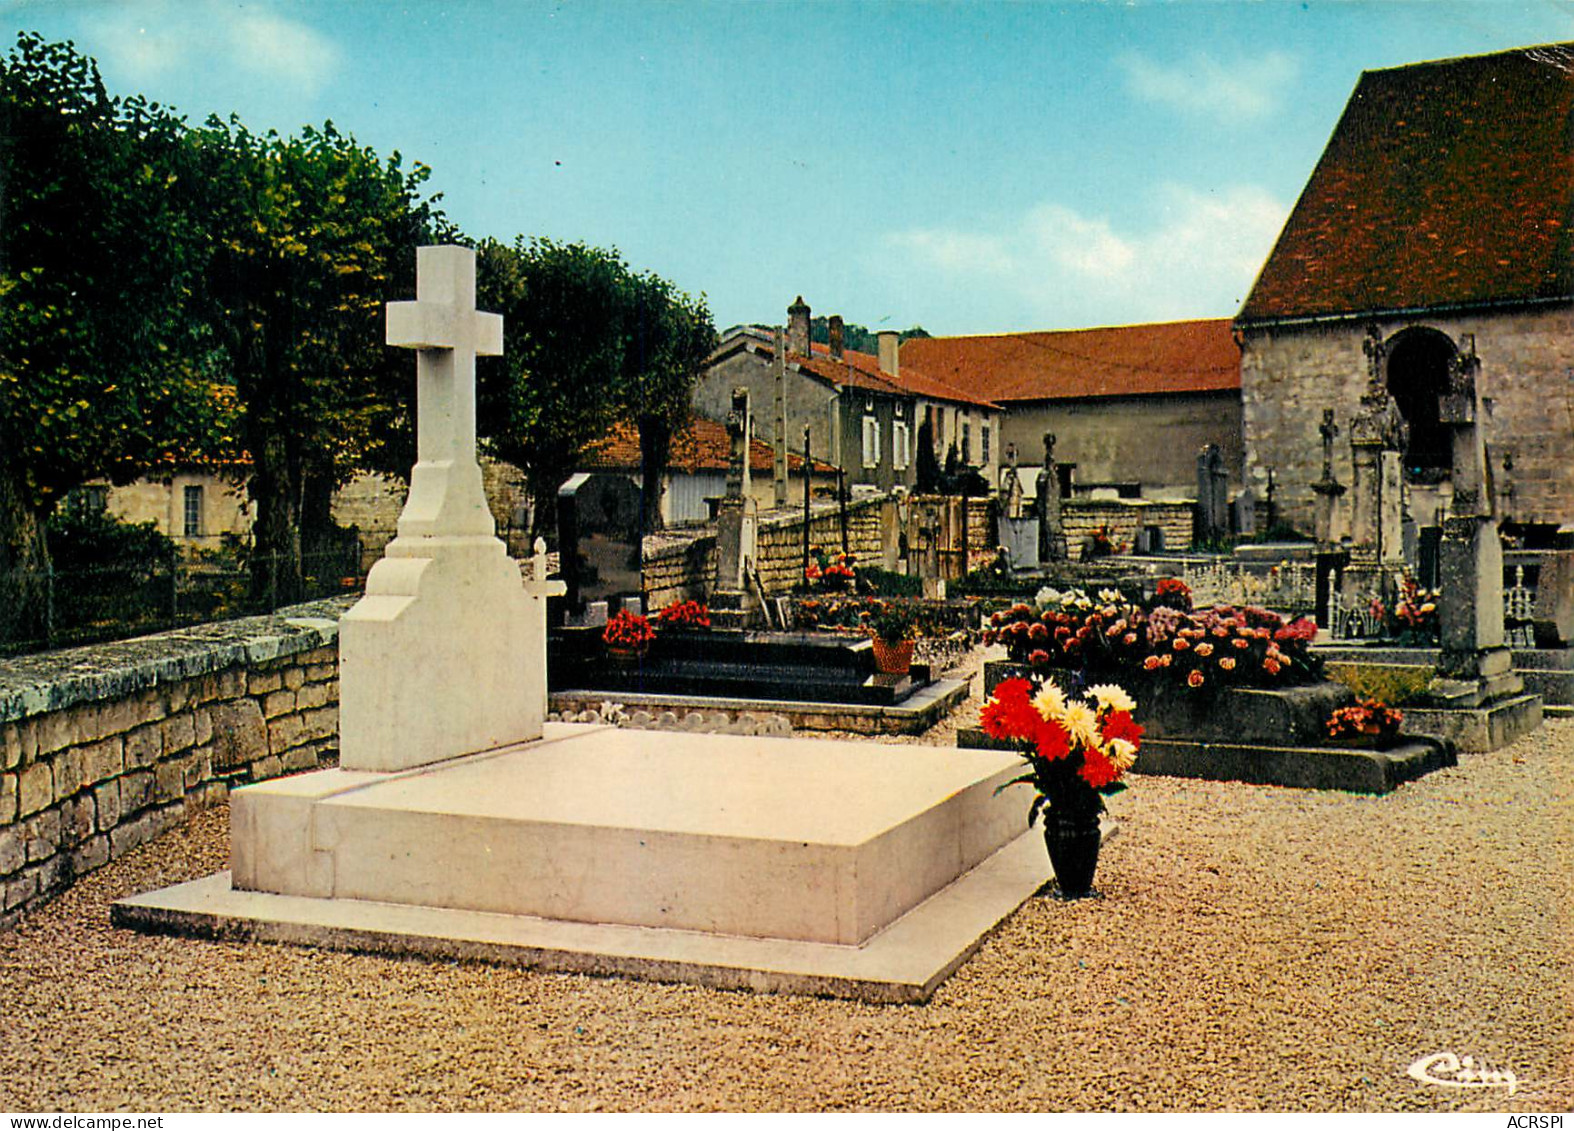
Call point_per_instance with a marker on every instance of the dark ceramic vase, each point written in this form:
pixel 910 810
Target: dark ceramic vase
pixel 1073 843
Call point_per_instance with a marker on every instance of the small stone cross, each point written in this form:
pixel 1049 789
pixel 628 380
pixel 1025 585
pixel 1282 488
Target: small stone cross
pixel 1329 431
pixel 448 333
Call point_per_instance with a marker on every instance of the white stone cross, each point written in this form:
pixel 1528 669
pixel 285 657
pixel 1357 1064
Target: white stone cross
pixel 446 330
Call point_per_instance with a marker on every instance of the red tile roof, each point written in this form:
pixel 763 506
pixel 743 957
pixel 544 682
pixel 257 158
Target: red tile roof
pixel 1113 361
pixel 859 371
pixel 862 371
pixel 1444 184
pixel 705 446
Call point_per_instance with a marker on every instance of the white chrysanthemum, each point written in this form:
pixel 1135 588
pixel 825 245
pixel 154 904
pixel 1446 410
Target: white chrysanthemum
pixel 1046 597
pixel 1121 753
pixel 1112 697
pixel 1050 702
pixel 1084 602
pixel 1081 723
pixel 1109 596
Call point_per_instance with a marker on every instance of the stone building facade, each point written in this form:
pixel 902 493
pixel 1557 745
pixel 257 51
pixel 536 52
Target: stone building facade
pixel 1130 406
pixel 1437 221
pixel 864 412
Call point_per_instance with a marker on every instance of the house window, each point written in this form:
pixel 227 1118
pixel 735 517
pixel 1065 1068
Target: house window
pixel 983 443
pixel 193 506
pixel 87 502
pixel 871 442
pixel 901 445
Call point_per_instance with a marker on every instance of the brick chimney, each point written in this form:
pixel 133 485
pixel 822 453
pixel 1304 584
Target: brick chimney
pixel 798 327
pixel 889 353
pixel 838 333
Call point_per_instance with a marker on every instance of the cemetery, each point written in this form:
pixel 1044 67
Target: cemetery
pixel 1011 792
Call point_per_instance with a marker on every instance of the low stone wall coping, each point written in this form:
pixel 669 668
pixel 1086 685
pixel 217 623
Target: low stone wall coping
pixel 53 681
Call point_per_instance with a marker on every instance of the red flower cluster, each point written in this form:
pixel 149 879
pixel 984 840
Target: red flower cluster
pixel 832 575
pixel 1415 612
pixel 1369 717
pixel 628 630
pixel 1222 646
pixel 685 614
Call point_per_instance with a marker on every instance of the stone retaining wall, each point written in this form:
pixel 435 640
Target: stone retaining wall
pixel 683 570
pixel 104 747
pixel 1125 517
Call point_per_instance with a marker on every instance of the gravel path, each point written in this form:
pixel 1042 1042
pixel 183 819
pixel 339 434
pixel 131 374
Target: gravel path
pixel 1256 948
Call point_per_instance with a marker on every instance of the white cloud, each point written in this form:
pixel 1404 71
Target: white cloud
pixel 270 45
pixel 153 38
pixel 1057 267
pixel 1244 90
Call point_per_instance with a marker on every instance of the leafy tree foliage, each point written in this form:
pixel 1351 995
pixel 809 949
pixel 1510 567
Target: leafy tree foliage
pixel 856 337
pixel 311 236
pixel 586 342
pixel 101 370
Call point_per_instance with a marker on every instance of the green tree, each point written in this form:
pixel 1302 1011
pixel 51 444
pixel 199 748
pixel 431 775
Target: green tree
pixel 102 370
pixel 312 235
pixel 674 334
pixel 586 342
pixel 856 337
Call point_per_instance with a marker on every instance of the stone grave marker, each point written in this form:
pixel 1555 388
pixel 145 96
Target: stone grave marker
pixel 1212 515
pixel 1553 615
pixel 446 618
pixel 1328 488
pixel 1046 503
pixel 1470 609
pixel 599 533
pixel 1377 435
pixel 1244 513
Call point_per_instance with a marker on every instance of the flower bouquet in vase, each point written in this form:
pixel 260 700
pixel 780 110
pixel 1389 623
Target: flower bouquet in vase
pixel 1077 749
pixel 891 625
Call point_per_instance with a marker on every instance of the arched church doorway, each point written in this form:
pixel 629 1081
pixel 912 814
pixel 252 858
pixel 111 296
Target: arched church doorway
pixel 1418 365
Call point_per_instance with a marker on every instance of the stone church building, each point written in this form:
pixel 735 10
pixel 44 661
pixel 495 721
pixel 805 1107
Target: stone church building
pixel 1437 221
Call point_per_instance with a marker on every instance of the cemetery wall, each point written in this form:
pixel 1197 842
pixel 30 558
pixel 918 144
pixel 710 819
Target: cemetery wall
pixel 371 503
pixel 1125 517
pixel 780 543
pixel 102 748
pixel 680 571
pixel 1289 375
pixel 982 534
pixel 1151 440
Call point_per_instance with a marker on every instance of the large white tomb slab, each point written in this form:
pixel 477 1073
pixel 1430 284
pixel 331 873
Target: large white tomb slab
pixel 819 841
pixel 849 868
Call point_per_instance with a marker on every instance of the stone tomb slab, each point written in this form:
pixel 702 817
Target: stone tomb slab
pixel 728 860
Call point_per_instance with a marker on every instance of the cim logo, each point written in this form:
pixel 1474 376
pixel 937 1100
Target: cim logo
pixel 1449 1071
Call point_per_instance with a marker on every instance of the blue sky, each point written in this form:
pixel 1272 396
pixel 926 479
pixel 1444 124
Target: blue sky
pixel 971 167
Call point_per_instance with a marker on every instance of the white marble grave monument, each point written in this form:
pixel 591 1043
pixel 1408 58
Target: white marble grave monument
pixel 433 661
pixel 457 825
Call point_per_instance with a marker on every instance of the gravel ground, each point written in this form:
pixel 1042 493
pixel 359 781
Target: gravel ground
pixel 1256 949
